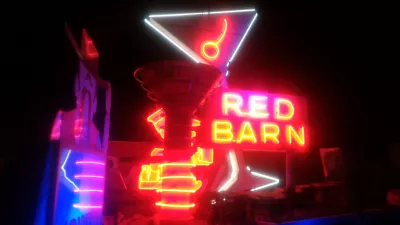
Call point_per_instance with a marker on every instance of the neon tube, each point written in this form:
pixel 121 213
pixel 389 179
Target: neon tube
pixel 65 172
pixel 234 172
pixel 89 162
pixel 88 176
pixel 201 13
pixel 78 206
pixel 87 190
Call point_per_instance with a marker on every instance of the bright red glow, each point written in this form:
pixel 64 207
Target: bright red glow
pixel 88 48
pixel 214 44
pixel 254 120
pixel 174 178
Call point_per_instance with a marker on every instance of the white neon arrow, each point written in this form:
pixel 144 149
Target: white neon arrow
pixel 234 175
pixel 234 172
pixel 275 180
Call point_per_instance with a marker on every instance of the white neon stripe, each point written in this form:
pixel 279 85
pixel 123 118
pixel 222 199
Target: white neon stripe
pixel 173 40
pixel 65 172
pixel 275 180
pixel 241 41
pixel 234 172
pixel 233 11
pixel 200 13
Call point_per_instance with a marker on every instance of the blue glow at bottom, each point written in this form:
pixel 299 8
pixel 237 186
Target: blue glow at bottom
pixel 65 213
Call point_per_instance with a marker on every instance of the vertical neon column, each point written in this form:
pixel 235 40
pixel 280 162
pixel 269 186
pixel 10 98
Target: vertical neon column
pixel 179 87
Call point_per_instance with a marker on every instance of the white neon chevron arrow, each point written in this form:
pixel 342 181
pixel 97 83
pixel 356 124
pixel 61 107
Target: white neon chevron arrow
pixel 242 178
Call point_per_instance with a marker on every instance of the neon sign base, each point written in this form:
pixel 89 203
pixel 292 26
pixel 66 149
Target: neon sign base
pixel 172 83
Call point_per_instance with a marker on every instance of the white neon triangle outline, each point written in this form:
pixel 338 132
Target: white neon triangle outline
pixel 234 172
pixel 185 49
pixel 201 13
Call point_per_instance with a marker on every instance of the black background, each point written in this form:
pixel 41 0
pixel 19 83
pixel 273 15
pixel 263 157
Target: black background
pixel 339 55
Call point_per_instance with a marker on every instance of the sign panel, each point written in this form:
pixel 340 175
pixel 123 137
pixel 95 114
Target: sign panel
pixel 254 120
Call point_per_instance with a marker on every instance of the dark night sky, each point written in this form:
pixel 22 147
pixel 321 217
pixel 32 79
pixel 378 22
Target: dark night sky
pixel 327 52
pixel 332 53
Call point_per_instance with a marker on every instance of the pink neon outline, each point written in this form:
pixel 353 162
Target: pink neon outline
pixel 78 206
pixel 88 176
pixel 90 162
pixel 87 190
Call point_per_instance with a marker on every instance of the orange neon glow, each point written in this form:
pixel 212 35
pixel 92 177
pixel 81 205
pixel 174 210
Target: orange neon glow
pixel 157 152
pixel 214 44
pixel 246 133
pixel 196 123
pixel 177 206
pixel 269 131
pixel 158 120
pixel 222 131
pixel 173 177
pixel 258 106
pixel 290 109
pixel 203 157
pixel 178 177
pixel 297 136
pixel 149 178
pixel 233 102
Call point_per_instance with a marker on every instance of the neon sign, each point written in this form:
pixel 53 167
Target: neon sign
pixel 199 35
pixel 214 44
pixel 255 120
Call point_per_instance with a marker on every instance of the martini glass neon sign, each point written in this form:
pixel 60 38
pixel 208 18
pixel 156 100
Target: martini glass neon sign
pixel 182 31
pixel 214 44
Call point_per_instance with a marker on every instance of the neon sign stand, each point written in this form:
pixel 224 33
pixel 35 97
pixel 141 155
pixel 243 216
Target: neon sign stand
pixel 172 177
